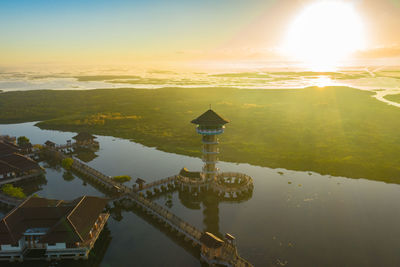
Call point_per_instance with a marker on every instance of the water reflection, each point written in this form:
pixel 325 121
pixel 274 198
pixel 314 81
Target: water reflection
pixel 293 217
pixel 210 201
pixel 117 211
pixel 68 176
pixel 33 185
pixel 85 154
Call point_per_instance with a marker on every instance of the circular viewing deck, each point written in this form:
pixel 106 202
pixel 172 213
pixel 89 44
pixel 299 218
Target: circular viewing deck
pixel 209 131
pixel 233 182
pixel 225 183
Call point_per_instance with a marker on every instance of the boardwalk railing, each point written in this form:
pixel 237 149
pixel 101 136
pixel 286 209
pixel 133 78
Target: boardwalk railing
pixel 157 183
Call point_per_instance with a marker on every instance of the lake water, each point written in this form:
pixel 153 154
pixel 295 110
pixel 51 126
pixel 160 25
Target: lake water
pixel 292 219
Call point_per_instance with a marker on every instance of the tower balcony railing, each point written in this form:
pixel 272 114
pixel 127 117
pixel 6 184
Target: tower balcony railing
pixel 213 151
pixel 209 131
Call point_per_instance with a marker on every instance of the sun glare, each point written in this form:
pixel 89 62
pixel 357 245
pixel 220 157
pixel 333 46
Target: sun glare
pixel 324 34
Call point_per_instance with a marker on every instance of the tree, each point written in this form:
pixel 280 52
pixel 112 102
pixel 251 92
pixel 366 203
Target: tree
pixel 12 191
pixel 38 147
pixel 122 178
pixel 67 163
pixel 23 140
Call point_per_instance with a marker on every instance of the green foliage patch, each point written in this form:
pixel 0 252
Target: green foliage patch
pixel 122 178
pixel 12 191
pixel 67 163
pixel 22 140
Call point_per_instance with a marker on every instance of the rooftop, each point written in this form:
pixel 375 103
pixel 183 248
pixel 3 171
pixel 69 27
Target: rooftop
pixel 186 173
pixel 210 240
pixel 209 118
pixel 68 222
pixel 7 148
pixel 17 163
pixel 140 181
pixel 49 143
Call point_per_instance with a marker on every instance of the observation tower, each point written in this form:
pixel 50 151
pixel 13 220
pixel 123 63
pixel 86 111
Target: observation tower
pixel 210 125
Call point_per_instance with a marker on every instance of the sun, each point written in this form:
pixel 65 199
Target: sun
pixel 324 34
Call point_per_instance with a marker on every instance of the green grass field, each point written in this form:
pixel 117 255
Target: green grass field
pixel 337 131
pixel 394 98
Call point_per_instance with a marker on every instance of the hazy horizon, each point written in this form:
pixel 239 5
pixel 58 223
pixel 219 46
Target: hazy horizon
pixel 187 33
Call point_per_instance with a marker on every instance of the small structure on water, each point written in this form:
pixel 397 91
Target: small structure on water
pixel 210 246
pixel 140 182
pixel 50 144
pixel 86 140
pixel 49 229
pixel 194 175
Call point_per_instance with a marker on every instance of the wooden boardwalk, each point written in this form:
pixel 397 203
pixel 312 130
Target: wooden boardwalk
pixel 10 201
pixel 229 255
pixel 20 178
pixel 149 186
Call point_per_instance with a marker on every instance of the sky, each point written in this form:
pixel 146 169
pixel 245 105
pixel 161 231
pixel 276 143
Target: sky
pixel 122 31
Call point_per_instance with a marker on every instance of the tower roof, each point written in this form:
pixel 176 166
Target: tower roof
pixel 209 118
pixel 210 240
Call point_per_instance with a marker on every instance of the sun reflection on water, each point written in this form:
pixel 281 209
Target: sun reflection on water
pixel 323 81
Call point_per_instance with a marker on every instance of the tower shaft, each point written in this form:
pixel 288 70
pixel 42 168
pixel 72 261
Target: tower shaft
pixel 210 156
